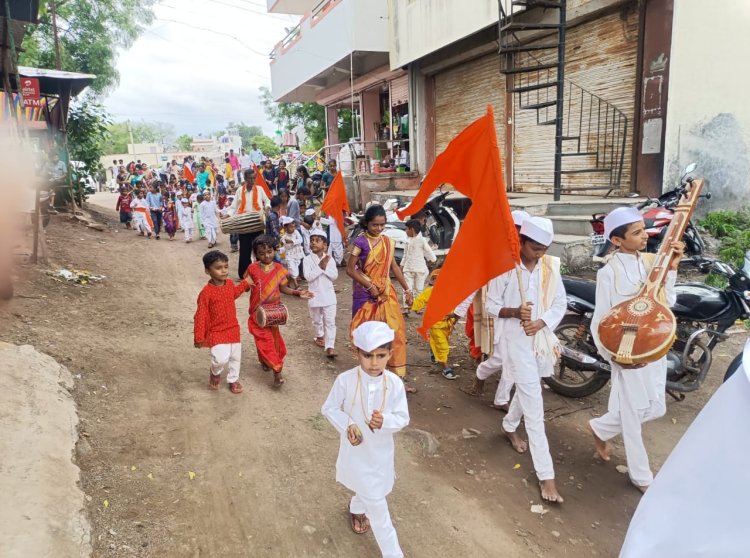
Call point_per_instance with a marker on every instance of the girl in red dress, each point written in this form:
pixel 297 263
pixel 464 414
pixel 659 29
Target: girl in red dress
pixel 268 280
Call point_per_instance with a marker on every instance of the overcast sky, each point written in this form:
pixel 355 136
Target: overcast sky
pixel 199 66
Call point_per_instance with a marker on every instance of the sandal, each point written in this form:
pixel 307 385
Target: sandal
pixel 235 387
pixel 364 523
pixel 331 353
pixel 214 380
pixel 449 374
pixel 320 342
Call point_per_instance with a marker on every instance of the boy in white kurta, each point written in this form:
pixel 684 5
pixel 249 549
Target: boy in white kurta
pixel 527 342
pixel 320 271
pixel 185 216
pixel 416 255
pixel 637 393
pixel 209 218
pixel 141 215
pixel 367 406
pixel 291 244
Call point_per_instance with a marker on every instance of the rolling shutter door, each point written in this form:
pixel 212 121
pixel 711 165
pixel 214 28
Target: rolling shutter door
pixel 400 91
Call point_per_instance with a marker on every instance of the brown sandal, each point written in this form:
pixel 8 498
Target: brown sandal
pixel 319 341
pixel 364 523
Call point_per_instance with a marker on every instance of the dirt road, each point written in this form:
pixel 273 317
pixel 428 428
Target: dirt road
pixel 263 462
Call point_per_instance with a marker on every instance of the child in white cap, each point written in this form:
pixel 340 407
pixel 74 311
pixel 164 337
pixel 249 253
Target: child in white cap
pixel 320 272
pixel 367 406
pixel 494 364
pixel 637 392
pixel 291 243
pixel 185 216
pixel 528 344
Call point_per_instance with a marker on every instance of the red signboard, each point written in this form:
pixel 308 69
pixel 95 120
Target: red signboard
pixel 29 90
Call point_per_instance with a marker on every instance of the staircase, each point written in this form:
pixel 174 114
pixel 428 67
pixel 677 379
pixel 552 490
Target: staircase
pixel 590 133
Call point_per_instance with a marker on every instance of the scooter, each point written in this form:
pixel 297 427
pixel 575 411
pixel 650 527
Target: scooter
pixel 657 215
pixel 441 226
pixel 703 313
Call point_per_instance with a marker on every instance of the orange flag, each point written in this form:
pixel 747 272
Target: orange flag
pixel 487 243
pixel 260 181
pixel 336 203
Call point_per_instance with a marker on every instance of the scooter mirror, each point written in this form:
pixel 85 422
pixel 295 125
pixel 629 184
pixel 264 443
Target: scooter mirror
pixel 690 168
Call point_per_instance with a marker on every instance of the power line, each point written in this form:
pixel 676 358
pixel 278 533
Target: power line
pixel 264 55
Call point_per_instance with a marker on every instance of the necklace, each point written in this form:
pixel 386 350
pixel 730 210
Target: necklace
pixel 359 394
pixel 638 283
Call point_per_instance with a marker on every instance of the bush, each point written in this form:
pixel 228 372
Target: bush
pixel 733 229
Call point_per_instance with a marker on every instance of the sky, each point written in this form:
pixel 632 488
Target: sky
pixel 199 66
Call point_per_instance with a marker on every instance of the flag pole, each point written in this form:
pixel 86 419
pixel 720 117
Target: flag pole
pixel 519 275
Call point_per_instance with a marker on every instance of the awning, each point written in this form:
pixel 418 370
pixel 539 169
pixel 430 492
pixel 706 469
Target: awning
pixel 52 82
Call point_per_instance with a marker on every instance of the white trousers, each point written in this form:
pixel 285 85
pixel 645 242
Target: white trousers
pixel 415 280
pixel 324 323
pixel 226 355
pixel 210 233
pixel 188 233
pixel 380 522
pixel 293 266
pixel 140 222
pixel 336 250
pixel 627 420
pixel 528 404
pixel 494 365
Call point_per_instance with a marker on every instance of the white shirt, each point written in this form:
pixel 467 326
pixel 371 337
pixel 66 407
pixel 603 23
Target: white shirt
pixel 185 213
pixel 139 203
pixel 293 250
pixel 208 211
pixel 263 200
pixel 416 252
pixel 616 282
pixel 367 469
pixel 320 282
pixel 256 155
pixel 517 347
pixel 246 162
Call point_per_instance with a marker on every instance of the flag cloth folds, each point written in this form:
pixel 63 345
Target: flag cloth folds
pixel 336 203
pixel 260 181
pixel 487 242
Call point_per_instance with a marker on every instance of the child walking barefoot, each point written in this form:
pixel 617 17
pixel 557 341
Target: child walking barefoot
pixel 268 280
pixel 320 271
pixel 185 215
pixel 367 406
pixel 215 324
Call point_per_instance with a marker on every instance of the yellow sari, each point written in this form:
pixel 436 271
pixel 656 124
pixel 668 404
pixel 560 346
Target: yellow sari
pixel 374 256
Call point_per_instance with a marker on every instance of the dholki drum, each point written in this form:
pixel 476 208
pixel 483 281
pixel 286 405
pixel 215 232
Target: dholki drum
pixel 270 315
pixel 243 223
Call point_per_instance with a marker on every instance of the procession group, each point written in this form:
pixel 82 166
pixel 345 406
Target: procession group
pixel 368 404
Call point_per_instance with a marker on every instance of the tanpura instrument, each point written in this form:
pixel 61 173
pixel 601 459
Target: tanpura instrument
pixel 642 329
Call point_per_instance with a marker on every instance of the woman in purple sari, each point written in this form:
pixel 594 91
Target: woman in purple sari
pixel 171 223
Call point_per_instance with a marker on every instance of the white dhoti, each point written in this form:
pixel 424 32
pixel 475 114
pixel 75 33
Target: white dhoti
pixel 415 281
pixel 211 232
pixel 636 396
pixel 293 266
pixel 380 522
pixel 324 323
pixel 226 356
pixel 494 365
pixel 188 231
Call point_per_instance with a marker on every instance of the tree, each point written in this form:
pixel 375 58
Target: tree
pixel 311 116
pixel 185 142
pixel 87 131
pixel 91 33
pixel 266 145
pixel 143 132
pixel 247 133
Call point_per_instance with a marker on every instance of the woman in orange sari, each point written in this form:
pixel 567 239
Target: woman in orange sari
pixel 374 297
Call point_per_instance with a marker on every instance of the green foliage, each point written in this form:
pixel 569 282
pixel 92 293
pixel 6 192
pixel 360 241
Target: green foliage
pixel 733 229
pixel 311 116
pixel 247 133
pixel 266 145
pixel 184 142
pixel 91 32
pixel 718 281
pixel 87 131
pixel 143 132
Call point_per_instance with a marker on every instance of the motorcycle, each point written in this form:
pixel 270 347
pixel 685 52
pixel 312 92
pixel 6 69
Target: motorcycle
pixel 441 226
pixel 703 316
pixel 657 215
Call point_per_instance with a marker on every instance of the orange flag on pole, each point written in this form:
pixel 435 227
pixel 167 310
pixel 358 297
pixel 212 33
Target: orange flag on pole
pixel 336 202
pixel 260 181
pixel 487 243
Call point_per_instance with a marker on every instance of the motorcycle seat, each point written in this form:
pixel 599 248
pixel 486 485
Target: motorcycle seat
pixel 584 289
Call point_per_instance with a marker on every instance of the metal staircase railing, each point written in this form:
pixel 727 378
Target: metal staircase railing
pixel 590 132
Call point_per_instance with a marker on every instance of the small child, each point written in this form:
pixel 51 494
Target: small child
pixel 185 216
pixel 416 255
pixel 637 391
pixel 367 406
pixel 320 271
pixel 291 242
pixel 306 226
pixel 273 222
pixel 141 214
pixel 215 323
pixel 268 280
pixel 440 332
pixel 208 215
pixel 123 206
pixel 197 199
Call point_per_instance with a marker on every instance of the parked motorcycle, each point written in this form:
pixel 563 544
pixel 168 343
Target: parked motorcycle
pixel 441 226
pixel 703 315
pixel 657 215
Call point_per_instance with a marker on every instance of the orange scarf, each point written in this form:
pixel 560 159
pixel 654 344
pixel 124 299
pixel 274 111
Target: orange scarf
pixel 256 205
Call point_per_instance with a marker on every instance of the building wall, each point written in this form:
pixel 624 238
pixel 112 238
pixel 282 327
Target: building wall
pixel 708 113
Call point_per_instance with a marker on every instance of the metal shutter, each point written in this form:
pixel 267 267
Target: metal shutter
pixel 400 91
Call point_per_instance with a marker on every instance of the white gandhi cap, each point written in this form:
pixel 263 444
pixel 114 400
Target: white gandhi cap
pixel 538 229
pixel 371 335
pixel 619 217
pixel 286 220
pixel 519 216
pixel 309 212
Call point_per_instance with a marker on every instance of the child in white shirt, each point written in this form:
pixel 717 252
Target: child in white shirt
pixel 320 271
pixel 291 242
pixel 141 215
pixel 416 255
pixel 208 214
pixel 185 215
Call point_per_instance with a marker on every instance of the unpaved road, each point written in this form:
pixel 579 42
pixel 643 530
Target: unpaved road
pixel 264 461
